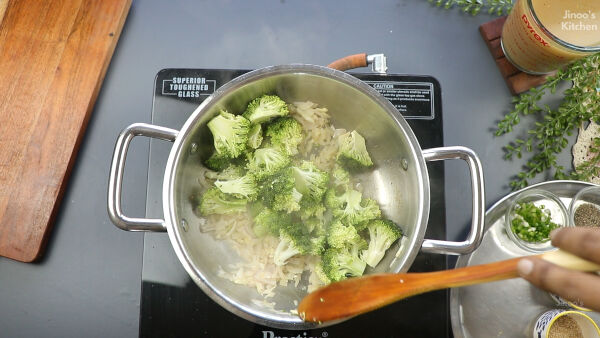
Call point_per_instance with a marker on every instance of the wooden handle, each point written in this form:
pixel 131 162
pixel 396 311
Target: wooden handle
pixel 350 62
pixel 358 295
pixel 569 261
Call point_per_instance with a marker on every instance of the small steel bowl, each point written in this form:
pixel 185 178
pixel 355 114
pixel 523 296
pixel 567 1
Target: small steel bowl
pixel 589 195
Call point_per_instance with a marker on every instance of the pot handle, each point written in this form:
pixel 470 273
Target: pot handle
pixel 115 179
pixel 377 61
pixel 478 207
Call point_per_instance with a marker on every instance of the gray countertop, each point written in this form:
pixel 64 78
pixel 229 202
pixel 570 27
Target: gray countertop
pixel 88 282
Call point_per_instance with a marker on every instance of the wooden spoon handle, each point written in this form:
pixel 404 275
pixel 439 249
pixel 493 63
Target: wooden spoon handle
pixel 569 261
pixel 350 62
pixel 502 270
pixel 358 295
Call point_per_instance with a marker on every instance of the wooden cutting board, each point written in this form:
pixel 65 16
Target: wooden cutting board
pixel 53 58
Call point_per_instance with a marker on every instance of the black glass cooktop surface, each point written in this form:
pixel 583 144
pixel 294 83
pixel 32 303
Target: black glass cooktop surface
pixel 172 305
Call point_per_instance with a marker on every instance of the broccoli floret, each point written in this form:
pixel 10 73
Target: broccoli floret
pixel 341 177
pixel 340 236
pixel 242 187
pixel 321 273
pixel 264 108
pixel 339 264
pixel 351 208
pixel 314 226
pixel 352 151
pixel 255 136
pixel 382 234
pixel 332 200
pixel 230 134
pixel 292 241
pixel 266 162
pixel 285 133
pixel 231 172
pixel 269 222
pixel 255 208
pixel 310 208
pixel 317 244
pixel 280 194
pixel 213 201
pixel 310 181
pixel 217 162
pixel 288 202
pixel 370 211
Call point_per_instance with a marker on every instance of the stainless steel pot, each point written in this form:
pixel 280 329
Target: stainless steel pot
pixel 399 182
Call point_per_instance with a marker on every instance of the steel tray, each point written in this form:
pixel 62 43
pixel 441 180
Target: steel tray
pixel 505 308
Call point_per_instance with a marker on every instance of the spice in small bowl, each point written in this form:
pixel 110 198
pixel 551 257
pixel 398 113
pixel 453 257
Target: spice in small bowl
pixel 559 323
pixel 584 210
pixel 531 217
pixel 587 215
pixel 565 327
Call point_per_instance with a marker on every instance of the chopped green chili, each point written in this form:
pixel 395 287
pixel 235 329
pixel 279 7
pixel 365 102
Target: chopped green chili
pixel 532 224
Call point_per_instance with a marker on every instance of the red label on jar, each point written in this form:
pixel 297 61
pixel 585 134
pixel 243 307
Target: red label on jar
pixel 532 31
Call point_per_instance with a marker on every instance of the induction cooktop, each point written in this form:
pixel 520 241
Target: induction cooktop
pixel 172 305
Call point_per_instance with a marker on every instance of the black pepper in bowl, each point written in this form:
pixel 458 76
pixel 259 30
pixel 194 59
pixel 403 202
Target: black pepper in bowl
pixel 565 327
pixel 587 215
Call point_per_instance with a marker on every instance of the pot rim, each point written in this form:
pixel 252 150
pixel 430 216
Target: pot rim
pixel 281 321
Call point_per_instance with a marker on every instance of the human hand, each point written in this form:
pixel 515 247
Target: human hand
pixel 579 287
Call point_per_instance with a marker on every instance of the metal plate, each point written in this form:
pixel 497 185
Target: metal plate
pixel 505 308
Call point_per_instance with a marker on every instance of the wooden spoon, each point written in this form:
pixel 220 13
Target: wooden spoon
pixel 358 295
